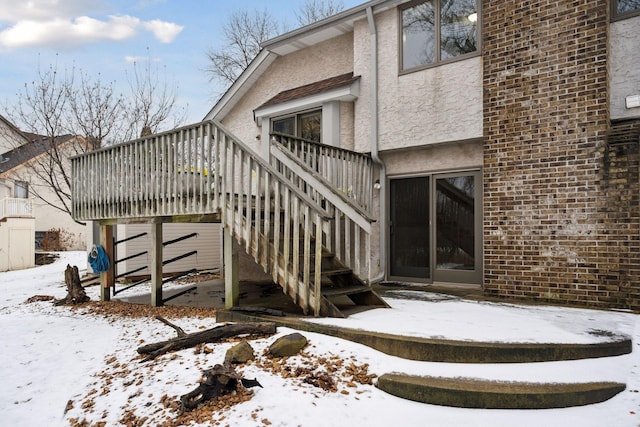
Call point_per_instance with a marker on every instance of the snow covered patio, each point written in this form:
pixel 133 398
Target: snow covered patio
pixel 52 358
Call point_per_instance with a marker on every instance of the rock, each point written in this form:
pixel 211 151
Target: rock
pixel 239 353
pixel 289 345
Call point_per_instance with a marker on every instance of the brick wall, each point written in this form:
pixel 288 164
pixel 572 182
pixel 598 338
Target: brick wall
pixel 559 222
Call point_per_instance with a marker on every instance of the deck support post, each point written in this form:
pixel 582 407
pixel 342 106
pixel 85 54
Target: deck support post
pixel 156 264
pixel 231 280
pixel 107 278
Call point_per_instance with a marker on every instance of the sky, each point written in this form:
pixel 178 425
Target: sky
pixel 54 357
pixel 104 37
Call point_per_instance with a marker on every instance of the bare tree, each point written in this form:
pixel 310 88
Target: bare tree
pixel 96 111
pixel 243 35
pixel 316 10
pixel 152 102
pixel 60 117
pixel 246 31
pixel 41 114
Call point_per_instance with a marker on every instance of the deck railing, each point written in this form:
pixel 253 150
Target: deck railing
pixel 204 169
pixel 164 174
pixel 348 172
pixel 15 207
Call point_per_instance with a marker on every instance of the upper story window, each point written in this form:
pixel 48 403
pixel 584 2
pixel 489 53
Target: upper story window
pixel 625 8
pixel 21 189
pixel 438 30
pixel 304 125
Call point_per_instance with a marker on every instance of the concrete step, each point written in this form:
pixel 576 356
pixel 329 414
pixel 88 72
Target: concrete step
pixel 442 350
pixel 475 393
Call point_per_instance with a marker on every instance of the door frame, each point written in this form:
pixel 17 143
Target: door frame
pixel 464 277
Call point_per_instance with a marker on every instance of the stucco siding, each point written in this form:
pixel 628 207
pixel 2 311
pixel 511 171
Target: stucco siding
pixel 435 158
pixel 346 125
pixel 303 67
pixel 624 72
pixel 434 105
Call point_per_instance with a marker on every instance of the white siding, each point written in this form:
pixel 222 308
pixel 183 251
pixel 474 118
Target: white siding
pixel 17 250
pixel 208 243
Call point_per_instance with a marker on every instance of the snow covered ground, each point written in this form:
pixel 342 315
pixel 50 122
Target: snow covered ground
pixel 56 358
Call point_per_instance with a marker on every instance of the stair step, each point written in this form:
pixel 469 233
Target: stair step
pixel 347 290
pixel 475 393
pixel 337 271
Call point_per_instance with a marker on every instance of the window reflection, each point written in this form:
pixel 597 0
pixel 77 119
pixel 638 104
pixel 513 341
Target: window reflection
pixel 434 31
pixel 455 223
pixel 457 28
pixel 311 126
pixel 418 35
pixel 304 125
pixel 628 6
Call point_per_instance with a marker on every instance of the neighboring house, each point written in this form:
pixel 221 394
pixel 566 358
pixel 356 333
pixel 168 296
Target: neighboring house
pixel 54 228
pixel 481 144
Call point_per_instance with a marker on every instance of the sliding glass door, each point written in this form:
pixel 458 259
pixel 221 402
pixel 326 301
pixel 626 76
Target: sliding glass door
pixel 435 228
pixel 409 228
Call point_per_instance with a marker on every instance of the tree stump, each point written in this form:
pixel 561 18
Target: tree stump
pixel 75 290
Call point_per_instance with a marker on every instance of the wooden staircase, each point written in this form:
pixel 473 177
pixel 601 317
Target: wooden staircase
pixel 303 214
pixel 342 291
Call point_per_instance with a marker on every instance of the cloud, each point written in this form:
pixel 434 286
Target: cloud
pixel 166 32
pixel 134 59
pixel 59 23
pixel 44 10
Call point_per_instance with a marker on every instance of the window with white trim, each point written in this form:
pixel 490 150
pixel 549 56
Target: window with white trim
pixel 21 189
pixel 438 30
pixel 307 125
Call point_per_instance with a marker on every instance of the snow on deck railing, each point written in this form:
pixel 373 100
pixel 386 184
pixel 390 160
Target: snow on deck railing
pixel 15 207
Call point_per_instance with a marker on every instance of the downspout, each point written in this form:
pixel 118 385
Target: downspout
pixel 373 136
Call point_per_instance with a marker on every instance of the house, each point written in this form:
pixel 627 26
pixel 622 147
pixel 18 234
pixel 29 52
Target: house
pixel 468 143
pixel 25 166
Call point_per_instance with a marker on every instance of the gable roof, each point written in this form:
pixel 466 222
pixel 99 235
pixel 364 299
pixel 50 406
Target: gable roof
pixel 16 132
pixel 293 41
pixel 36 145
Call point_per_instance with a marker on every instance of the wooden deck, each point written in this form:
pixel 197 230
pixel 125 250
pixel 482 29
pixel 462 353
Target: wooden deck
pixel 203 173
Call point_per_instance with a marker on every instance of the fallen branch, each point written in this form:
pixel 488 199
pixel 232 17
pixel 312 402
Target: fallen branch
pixel 184 340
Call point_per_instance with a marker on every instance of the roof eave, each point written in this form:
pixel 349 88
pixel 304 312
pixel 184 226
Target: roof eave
pixel 242 85
pixel 290 42
pixel 325 29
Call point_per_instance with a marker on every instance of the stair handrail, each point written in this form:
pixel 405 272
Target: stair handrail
pixel 349 172
pixel 320 185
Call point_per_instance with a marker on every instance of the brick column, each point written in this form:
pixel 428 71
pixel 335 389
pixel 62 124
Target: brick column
pixel 550 230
